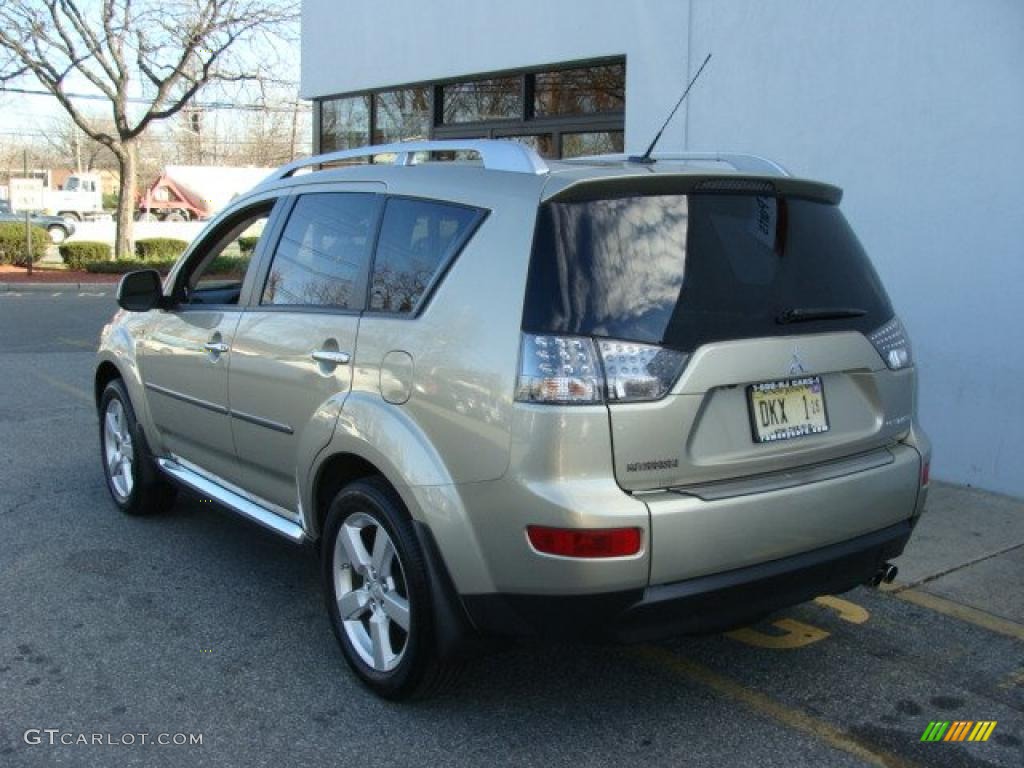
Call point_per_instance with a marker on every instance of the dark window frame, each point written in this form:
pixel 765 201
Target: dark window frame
pixel 524 123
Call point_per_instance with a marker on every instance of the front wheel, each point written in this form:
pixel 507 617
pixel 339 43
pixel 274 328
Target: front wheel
pixel 132 478
pixel 378 595
pixel 57 234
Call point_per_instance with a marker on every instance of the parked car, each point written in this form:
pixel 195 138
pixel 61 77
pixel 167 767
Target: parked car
pixel 58 228
pixel 591 399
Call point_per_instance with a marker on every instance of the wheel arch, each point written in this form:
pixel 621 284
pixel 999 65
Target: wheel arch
pixel 106 372
pixel 372 439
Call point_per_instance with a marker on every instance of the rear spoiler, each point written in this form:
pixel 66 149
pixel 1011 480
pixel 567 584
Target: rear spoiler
pixel 632 185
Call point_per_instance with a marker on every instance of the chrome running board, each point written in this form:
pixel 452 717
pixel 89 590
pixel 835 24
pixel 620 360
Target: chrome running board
pixel 245 507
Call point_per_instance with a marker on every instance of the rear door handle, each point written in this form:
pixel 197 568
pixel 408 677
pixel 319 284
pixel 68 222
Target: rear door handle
pixel 216 347
pixel 331 358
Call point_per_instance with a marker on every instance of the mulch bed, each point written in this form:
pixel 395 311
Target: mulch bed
pixel 9 274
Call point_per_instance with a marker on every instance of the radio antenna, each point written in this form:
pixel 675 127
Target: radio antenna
pixel 645 158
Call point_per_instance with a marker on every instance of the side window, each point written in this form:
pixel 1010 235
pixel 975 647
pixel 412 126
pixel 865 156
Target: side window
pixel 417 238
pixel 223 259
pixel 324 251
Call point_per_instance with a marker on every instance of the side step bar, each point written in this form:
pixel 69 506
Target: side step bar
pixel 233 501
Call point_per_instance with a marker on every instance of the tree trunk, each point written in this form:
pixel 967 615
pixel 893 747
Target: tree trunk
pixel 124 244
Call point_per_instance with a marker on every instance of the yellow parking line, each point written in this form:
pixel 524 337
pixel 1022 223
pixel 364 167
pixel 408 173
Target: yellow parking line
pixel 81 394
pixel 956 610
pixel 796 634
pixel 764 705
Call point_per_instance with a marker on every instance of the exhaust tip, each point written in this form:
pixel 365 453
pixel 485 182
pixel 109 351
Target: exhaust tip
pixel 887 574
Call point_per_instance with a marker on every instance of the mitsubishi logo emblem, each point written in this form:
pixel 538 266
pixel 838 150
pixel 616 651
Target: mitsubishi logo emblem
pixel 797 365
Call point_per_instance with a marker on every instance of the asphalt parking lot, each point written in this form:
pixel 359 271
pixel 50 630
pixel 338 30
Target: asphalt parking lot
pixel 199 623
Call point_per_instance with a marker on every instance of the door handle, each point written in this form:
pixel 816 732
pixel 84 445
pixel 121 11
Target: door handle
pixel 331 358
pixel 216 347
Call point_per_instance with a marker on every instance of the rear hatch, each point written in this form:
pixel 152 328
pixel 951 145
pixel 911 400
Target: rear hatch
pixel 731 318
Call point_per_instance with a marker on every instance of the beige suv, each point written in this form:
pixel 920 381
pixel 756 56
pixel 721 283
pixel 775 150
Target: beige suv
pixel 595 398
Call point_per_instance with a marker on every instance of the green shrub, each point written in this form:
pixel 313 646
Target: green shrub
pixel 229 266
pixel 12 243
pixel 110 201
pixel 247 244
pixel 76 254
pixel 223 266
pixel 159 248
pixel 121 266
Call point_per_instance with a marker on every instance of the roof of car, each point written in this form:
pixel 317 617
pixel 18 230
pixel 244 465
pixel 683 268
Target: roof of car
pixel 411 164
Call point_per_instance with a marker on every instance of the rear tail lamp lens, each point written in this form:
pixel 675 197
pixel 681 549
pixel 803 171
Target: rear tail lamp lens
pixel 926 471
pixel 558 369
pixel 572 370
pixel 893 344
pixel 639 371
pixel 582 542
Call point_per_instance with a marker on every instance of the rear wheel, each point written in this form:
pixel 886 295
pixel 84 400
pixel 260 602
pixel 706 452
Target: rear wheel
pixel 133 480
pixel 57 233
pixel 377 590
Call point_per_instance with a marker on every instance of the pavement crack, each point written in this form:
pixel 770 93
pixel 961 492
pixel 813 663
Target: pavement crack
pixel 933 577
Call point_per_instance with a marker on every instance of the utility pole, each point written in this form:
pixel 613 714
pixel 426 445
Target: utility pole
pixel 295 127
pixel 28 227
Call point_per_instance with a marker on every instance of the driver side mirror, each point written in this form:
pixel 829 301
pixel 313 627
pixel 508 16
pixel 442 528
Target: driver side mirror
pixel 140 291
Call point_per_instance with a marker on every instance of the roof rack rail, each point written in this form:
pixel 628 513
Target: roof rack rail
pixel 495 155
pixel 740 161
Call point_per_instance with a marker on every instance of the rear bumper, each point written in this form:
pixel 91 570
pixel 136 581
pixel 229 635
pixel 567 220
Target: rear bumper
pixel 694 606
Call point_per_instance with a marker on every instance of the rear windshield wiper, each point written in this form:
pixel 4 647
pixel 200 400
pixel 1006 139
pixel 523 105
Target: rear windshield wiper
pixel 807 314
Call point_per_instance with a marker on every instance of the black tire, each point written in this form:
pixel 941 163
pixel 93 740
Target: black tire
pixel 419 672
pixel 149 493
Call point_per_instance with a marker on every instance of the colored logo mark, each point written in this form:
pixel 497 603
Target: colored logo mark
pixel 958 730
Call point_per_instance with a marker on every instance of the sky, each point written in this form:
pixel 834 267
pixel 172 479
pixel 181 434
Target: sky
pixel 29 116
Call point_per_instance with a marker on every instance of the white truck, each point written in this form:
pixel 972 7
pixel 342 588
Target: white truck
pixel 193 192
pixel 81 199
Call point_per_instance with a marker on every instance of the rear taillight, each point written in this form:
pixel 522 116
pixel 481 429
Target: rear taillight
pixel 635 372
pixel 893 344
pixel 572 370
pixel 926 471
pixel 558 370
pixel 584 542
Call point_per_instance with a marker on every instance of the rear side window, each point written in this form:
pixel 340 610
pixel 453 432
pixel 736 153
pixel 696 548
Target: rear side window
pixel 323 255
pixel 685 270
pixel 417 240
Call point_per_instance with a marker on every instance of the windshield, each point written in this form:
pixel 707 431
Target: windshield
pixel 683 270
pixel 71 185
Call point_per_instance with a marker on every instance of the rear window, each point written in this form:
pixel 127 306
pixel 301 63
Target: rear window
pixel 417 239
pixel 685 270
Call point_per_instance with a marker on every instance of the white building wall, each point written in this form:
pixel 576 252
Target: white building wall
pixel 914 107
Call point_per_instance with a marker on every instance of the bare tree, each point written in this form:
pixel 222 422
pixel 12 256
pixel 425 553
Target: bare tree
pixel 148 58
pixel 74 148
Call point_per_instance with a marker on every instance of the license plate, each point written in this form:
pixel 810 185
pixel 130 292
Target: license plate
pixel 781 410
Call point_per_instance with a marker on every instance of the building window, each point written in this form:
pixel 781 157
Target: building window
pixel 560 111
pixel 344 123
pixel 401 115
pixel 478 101
pixel 592 143
pixel 582 91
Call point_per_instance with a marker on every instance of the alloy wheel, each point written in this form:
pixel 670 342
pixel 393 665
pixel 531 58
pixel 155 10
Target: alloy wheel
pixel 371 590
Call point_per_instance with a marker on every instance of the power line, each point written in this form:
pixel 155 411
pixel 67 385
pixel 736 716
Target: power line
pixel 210 105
